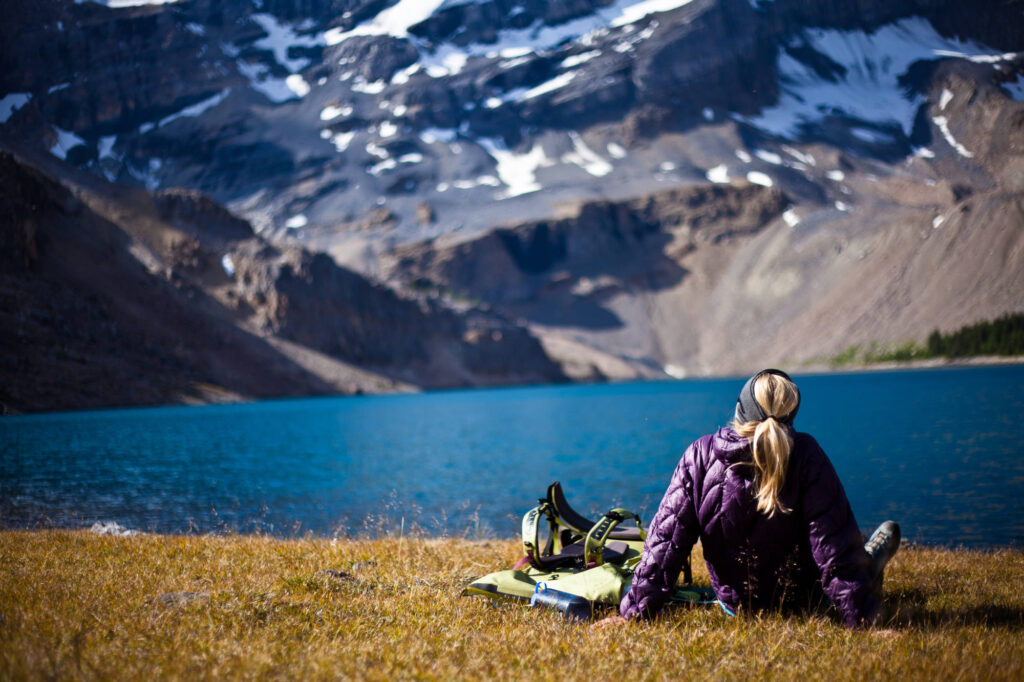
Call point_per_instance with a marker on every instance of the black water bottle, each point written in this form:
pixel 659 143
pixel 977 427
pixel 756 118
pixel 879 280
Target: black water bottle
pixel 572 607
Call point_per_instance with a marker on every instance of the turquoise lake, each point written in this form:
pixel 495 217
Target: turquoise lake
pixel 940 451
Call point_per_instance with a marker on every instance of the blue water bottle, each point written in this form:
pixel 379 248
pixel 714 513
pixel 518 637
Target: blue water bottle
pixel 572 607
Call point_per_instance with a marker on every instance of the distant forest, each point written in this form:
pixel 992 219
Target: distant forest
pixel 1002 336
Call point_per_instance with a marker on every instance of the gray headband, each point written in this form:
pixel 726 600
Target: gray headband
pixel 749 410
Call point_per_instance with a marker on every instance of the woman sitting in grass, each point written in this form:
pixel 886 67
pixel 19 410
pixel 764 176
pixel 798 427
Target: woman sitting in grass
pixel 772 517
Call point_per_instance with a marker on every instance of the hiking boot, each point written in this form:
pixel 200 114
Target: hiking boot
pixel 882 546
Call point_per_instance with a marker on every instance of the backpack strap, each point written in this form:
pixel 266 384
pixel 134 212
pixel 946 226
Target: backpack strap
pixel 578 523
pixel 531 533
pixel 593 548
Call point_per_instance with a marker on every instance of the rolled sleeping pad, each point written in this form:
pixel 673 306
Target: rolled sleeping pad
pixel 573 608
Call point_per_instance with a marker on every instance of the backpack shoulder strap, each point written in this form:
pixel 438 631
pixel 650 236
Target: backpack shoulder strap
pixel 593 548
pixel 531 533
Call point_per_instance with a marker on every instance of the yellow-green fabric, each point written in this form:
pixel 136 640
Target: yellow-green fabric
pixel 604 584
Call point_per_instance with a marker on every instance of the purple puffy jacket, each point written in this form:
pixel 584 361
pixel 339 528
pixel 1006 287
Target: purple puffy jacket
pixel 756 562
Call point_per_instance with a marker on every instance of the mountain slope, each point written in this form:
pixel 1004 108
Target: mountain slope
pixel 117 297
pixel 680 186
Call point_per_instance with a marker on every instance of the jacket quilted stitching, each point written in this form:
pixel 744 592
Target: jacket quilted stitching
pixel 756 562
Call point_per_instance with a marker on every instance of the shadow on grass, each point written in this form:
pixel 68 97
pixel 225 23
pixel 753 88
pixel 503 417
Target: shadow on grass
pixel 909 608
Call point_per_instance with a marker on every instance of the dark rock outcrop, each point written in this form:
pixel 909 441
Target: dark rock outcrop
pixel 96 313
pixel 196 212
pixel 84 324
pixel 627 241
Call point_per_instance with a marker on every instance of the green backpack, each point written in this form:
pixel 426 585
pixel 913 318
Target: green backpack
pixel 588 559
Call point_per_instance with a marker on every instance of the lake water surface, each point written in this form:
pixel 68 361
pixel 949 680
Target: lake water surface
pixel 940 451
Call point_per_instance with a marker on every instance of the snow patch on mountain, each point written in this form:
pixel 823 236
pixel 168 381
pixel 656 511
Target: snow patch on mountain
pixel 559 81
pixel 11 103
pixel 281 38
pixel 616 151
pixel 373 150
pixel 361 85
pixel 275 89
pixel 943 125
pixel 192 111
pixel 586 158
pixel 675 371
pixel 333 111
pixel 807 159
pixel 719 174
pixel 341 141
pixel 448 58
pixel 867 86
pixel 577 59
pixel 759 178
pixel 945 99
pixel 434 135
pixel 105 145
pixel 517 171
pixel 393 21
pixel 981 58
pixel 66 140
pixel 1016 88
pixel 297 84
pixel 632 13
pixel 871 136
pixel 768 157
pixel 485 180
pixel 385 165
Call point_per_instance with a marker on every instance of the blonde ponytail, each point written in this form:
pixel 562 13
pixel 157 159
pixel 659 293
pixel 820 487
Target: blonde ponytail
pixel 771 442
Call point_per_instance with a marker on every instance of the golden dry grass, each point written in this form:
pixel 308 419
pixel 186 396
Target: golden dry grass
pixel 75 605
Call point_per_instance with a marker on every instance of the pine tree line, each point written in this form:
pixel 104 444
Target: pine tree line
pixel 1002 336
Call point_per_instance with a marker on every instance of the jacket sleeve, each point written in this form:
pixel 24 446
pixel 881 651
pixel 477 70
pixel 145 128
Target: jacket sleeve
pixel 670 538
pixel 836 542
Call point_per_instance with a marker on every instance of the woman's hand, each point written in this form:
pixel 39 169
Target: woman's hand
pixel 610 621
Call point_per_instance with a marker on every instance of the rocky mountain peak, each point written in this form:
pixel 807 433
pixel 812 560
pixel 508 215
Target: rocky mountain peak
pixel 613 175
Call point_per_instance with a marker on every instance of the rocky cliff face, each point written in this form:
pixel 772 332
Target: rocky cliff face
pixel 632 181
pixel 86 322
pixel 308 299
pixel 113 300
pixel 632 243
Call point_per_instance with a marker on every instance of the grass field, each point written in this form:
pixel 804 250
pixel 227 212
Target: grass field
pixel 76 605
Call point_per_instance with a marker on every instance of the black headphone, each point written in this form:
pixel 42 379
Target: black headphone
pixel 749 410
